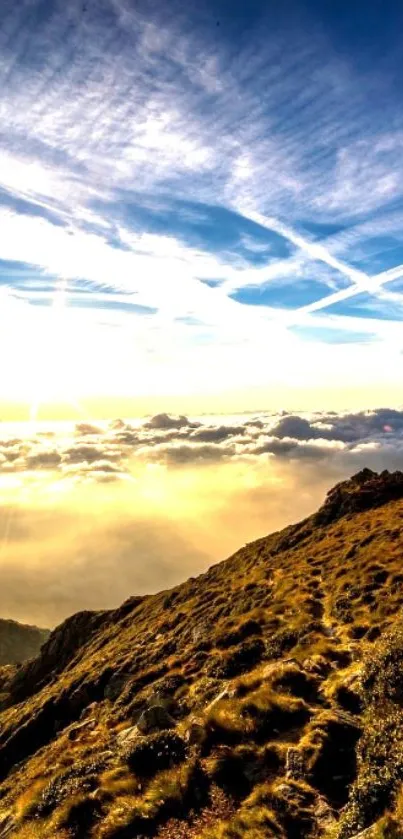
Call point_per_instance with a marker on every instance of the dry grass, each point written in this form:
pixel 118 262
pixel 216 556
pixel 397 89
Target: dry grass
pixel 266 652
pixel 27 803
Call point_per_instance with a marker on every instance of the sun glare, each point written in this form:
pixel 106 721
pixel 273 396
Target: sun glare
pixel 53 356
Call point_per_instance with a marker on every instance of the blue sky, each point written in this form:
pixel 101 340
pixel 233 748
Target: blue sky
pixel 188 195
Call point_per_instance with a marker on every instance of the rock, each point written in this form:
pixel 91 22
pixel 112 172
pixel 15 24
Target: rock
pixel 365 490
pixel 77 729
pixel 80 699
pixel 155 718
pixel 127 607
pixel 162 699
pixel 60 648
pixel 196 733
pixel 295 764
pixel 91 709
pixel 116 685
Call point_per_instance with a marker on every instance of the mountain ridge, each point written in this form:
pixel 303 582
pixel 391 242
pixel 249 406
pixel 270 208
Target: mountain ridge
pixel 19 641
pixel 242 703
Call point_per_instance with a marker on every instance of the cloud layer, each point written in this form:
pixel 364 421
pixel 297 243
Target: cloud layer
pixel 108 451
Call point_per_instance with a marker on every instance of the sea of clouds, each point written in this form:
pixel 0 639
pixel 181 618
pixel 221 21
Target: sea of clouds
pixel 106 452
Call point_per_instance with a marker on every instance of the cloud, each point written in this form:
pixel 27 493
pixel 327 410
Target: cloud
pixel 179 454
pixel 120 448
pixel 84 428
pixel 156 188
pixel 164 421
pixel 348 428
pixel 44 459
pixel 216 434
pixel 87 453
pixel 294 426
pixel 99 561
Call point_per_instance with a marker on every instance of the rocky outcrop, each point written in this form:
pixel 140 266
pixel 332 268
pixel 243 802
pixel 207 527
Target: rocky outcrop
pixel 365 490
pixel 57 652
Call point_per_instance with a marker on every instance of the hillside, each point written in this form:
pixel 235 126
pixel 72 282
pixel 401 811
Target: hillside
pixel 262 699
pixel 19 642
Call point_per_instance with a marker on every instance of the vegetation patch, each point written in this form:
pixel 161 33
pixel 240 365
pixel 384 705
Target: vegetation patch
pixel 148 755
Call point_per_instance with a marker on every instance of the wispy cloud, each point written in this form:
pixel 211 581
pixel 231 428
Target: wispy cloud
pixel 155 161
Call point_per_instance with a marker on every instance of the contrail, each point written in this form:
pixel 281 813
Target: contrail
pixel 374 284
pixel 314 249
pixel 360 281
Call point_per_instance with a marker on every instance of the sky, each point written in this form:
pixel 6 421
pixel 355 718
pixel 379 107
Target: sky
pixel 201 207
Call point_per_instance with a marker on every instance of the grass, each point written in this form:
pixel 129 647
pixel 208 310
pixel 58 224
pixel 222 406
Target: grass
pixel 260 714
pixel 167 792
pixel 293 631
pixel 27 803
pixel 118 782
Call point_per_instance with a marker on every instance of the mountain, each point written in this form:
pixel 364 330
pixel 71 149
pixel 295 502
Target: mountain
pixel 262 699
pixel 19 642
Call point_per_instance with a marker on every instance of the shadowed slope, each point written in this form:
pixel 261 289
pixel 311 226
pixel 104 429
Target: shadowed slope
pixel 19 642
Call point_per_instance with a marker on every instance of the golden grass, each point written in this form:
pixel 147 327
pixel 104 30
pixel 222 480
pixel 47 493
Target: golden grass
pixel 312 594
pixel 27 802
pixel 118 781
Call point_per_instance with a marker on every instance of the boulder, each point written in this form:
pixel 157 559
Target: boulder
pixel 154 718
pixel 116 685
pixel 80 699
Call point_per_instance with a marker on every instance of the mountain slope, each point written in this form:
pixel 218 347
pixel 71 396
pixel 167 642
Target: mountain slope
pixel 262 699
pixel 18 642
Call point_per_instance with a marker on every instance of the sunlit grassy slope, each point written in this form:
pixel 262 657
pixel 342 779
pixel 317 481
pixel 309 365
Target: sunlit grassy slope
pixel 278 682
